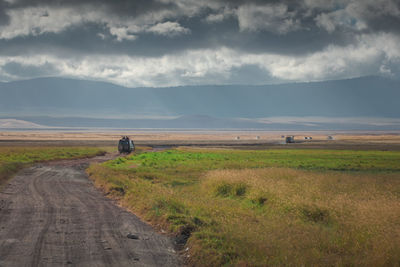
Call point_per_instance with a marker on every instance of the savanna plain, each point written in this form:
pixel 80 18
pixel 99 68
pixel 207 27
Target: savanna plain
pixel 317 203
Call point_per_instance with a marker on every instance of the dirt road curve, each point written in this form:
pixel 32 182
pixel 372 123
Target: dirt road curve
pixel 51 215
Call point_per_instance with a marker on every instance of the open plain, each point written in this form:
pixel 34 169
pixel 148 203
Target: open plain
pixel 218 199
pixel 257 139
pixel 267 133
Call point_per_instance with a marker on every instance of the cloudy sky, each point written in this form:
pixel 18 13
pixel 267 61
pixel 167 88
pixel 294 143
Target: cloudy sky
pixel 183 42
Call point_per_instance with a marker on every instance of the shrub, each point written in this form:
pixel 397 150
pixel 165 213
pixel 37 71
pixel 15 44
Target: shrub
pixel 315 214
pixel 226 189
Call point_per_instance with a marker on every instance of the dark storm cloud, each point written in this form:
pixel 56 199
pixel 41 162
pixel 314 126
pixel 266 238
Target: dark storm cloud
pixel 301 35
pixel 4 18
pixel 85 39
pixel 380 15
pixel 184 41
pixel 387 23
pixel 117 7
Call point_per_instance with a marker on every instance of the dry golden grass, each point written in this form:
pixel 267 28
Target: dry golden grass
pixel 263 216
pixel 197 136
pixel 356 221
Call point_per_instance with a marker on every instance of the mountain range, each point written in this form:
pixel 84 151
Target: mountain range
pixel 62 102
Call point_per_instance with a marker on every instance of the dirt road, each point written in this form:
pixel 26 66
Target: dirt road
pixel 51 215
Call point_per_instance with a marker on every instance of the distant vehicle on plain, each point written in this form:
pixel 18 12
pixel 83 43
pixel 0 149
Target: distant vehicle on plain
pixel 289 139
pixel 126 145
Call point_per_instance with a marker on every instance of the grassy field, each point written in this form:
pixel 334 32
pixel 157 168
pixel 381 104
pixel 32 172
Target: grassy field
pixel 13 159
pixel 271 207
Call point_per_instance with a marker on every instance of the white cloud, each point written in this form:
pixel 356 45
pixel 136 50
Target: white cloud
pixel 213 18
pixel 386 43
pixel 38 20
pixel 352 14
pixel 34 21
pixel 371 54
pixel 326 21
pixel 168 29
pixel 101 35
pixel 363 58
pixel 220 15
pixel 122 33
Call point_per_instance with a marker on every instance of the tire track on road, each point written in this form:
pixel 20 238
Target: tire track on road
pixel 49 212
pixel 51 215
pixel 17 219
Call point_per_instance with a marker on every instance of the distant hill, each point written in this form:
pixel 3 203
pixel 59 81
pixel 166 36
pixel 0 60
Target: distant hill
pixel 367 96
pixel 20 124
pixel 69 102
pixel 201 122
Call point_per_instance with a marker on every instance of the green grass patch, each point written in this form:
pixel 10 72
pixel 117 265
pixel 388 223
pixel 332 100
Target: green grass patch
pixel 263 208
pixel 176 162
pixel 13 159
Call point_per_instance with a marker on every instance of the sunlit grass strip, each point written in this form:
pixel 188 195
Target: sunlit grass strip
pixel 238 212
pixel 201 159
pixel 13 159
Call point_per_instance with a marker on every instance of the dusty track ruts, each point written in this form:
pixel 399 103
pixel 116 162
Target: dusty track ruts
pixel 51 215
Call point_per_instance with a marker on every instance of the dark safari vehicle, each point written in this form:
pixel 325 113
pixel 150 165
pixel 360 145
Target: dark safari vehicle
pixel 126 145
pixel 289 139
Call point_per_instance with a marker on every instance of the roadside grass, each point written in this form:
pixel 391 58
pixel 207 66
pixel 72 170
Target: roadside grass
pixel 272 207
pixel 12 159
pixel 308 159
